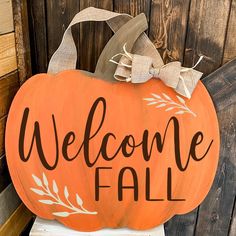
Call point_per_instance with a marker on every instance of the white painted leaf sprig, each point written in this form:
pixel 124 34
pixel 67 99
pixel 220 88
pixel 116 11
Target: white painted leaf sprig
pixel 54 198
pixel 169 104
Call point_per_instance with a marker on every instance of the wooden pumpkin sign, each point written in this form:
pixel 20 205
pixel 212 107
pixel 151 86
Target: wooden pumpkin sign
pixel 94 154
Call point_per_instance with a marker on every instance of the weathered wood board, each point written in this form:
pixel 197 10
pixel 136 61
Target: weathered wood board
pixel 100 34
pixel 214 216
pixel 7 54
pixel 14 68
pixel 4 174
pixel 22 39
pixel 57 21
pixel 183 225
pixel 17 221
pixel 9 84
pixel 133 7
pixel 206 33
pixel 168 30
pixel 6 17
pixel 37 15
pixel 3 121
pixel 230 45
pixel 9 201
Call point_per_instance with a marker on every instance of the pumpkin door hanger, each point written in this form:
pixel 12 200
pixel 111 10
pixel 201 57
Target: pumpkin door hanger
pixel 94 153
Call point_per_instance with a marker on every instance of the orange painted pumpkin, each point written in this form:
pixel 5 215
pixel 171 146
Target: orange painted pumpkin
pixel 96 154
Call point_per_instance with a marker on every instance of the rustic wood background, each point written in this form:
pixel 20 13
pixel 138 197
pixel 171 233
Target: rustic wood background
pixel 15 67
pixel 180 30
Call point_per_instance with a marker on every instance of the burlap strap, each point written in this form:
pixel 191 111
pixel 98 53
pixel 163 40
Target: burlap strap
pixel 126 34
pixel 65 56
pixel 140 64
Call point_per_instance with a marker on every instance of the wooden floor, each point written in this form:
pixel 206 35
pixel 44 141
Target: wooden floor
pixel 180 30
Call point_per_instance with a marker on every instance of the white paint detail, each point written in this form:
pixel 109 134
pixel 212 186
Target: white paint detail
pixel 169 103
pixel 56 200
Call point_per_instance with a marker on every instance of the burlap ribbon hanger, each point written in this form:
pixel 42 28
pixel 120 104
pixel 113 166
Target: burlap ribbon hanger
pixel 139 69
pixel 138 59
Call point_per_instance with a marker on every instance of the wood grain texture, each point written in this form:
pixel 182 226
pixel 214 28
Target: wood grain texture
pixel 3 121
pixel 215 212
pixel 168 25
pixel 9 201
pixel 133 7
pixel 230 45
pixel 221 86
pixel 38 35
pixel 22 39
pixel 9 84
pixel 17 222
pixel 7 54
pixel 93 36
pixel 4 174
pixel 206 33
pixel 6 17
pixel 58 20
pixel 214 216
pixel 183 225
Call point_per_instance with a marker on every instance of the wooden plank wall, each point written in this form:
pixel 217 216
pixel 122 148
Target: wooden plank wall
pixel 13 70
pixel 180 30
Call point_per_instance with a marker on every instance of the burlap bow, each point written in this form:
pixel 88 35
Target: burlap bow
pixel 139 69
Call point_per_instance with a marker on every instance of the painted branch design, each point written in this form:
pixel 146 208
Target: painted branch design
pixel 55 198
pixel 166 101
